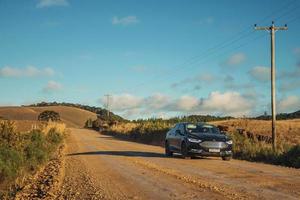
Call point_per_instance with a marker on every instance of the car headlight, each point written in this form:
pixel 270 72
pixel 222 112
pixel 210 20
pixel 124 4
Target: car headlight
pixel 194 140
pixel 229 142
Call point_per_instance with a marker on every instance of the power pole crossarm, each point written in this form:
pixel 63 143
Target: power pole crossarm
pixel 272 29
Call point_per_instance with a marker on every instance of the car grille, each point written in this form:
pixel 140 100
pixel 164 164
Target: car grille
pixel 213 145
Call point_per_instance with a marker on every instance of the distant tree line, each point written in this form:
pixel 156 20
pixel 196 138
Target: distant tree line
pixel 281 116
pixel 190 118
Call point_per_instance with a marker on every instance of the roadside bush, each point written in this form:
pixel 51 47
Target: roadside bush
pixel 54 136
pixel 292 157
pixel 36 151
pixel 10 163
pixel 21 153
pixel 150 132
pixel 252 150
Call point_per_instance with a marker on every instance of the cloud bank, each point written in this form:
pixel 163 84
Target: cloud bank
pixel 216 103
pixel 125 21
pixel 29 71
pixel 52 86
pixel 51 3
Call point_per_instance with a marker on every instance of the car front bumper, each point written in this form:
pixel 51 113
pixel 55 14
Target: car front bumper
pixel 218 149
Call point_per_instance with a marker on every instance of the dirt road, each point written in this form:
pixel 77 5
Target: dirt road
pixel 102 167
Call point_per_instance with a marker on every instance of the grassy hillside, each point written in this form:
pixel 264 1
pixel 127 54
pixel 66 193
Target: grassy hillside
pixel 71 116
pixel 102 113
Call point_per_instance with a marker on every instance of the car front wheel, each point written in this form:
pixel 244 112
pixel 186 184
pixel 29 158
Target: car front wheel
pixel 167 150
pixel 184 150
pixel 227 158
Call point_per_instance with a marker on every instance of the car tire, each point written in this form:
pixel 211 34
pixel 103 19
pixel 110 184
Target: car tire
pixel 184 150
pixel 167 150
pixel 226 158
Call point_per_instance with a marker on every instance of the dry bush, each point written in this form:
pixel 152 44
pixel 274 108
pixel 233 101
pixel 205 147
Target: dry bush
pixel 58 127
pixel 287 130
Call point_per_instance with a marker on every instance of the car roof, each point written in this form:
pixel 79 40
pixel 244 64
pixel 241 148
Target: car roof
pixel 198 123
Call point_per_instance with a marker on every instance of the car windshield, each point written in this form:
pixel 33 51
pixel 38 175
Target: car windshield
pixel 202 128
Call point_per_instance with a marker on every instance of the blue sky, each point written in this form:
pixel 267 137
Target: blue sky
pixel 156 58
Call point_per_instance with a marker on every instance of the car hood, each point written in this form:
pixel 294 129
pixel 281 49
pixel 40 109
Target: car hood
pixel 209 137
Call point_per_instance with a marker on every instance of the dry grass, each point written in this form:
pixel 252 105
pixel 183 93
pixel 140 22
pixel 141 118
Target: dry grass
pixel 26 125
pixel 58 127
pixel 72 117
pixel 123 127
pixel 287 130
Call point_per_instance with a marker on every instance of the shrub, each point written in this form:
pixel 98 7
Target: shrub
pixel 54 136
pixel 8 134
pixel 36 151
pixel 10 162
pixel 292 157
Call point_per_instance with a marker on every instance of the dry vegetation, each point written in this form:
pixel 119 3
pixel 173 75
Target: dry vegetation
pixel 23 153
pixel 288 152
pixel 287 130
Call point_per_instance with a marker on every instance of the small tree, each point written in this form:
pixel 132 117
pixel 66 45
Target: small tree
pixel 48 115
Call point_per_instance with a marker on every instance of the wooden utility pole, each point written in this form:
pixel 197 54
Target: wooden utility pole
pixel 272 29
pixel 107 104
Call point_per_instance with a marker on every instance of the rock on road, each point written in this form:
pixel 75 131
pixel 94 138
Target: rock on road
pixel 102 167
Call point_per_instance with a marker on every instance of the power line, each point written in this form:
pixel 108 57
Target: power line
pixel 245 33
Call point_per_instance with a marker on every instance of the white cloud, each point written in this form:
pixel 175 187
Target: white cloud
pixel 289 104
pixel 297 50
pixel 52 86
pixel 186 103
pixel 125 20
pixel 228 103
pixel 50 3
pixel 208 20
pixel 260 73
pixel 122 102
pixel 235 59
pixel 156 101
pixel 29 71
pixel 217 103
pixel 139 68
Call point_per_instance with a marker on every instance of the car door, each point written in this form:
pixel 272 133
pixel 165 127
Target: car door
pixel 179 136
pixel 171 138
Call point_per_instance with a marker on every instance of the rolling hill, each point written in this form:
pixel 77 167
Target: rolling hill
pixel 73 117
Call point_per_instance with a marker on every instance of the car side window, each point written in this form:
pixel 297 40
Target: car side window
pixel 175 128
pixel 181 128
